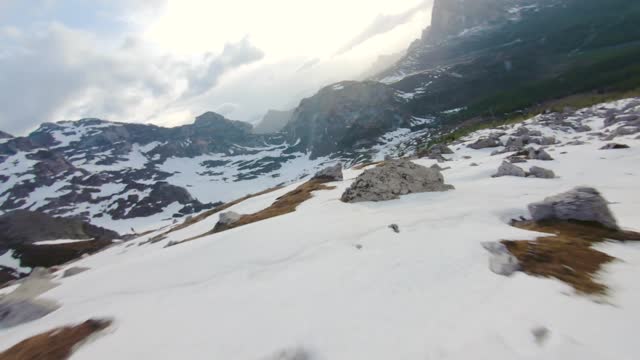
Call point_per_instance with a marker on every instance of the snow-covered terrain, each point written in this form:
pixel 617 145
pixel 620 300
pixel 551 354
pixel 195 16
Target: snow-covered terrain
pixel 333 280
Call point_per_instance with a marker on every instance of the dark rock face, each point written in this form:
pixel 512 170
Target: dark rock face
pixel 450 17
pixel 345 117
pixel 162 195
pixel 4 135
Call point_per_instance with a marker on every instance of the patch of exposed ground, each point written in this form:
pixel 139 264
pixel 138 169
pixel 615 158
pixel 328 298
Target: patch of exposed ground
pixel 206 214
pixel 285 204
pixel 56 344
pixel 567 253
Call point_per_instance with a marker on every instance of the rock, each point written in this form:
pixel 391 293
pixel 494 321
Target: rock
pixel 623 131
pixel 439 149
pixel 501 261
pixel 614 146
pixel 395 228
pixel 473 164
pixel 392 179
pixel 575 143
pixel 439 168
pixel 540 334
pixel 229 217
pixel 539 154
pixel 291 354
pixel 487 142
pixel 620 118
pixel 548 140
pixel 581 204
pixel 467 157
pixel 508 169
pixel 541 173
pixel 516 159
pixel 331 173
pixel 75 270
pixel 18 312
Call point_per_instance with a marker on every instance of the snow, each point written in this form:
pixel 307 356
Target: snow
pixel 9 261
pixel 298 280
pixel 61 241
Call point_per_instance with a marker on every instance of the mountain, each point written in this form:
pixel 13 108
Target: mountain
pixel 4 135
pixel 123 176
pixel 333 280
pixel 273 121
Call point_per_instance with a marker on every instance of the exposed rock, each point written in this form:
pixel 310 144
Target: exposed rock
pixel 393 179
pixel 501 261
pixel 620 118
pixel 291 354
pixel 623 131
pixel 14 313
pixel 474 164
pixel 548 140
pixel 508 169
pixel 581 204
pixel 229 217
pixel 4 135
pixel 331 173
pixel 539 154
pixel 540 334
pixel 273 122
pixel 541 173
pixel 395 228
pixel 74 270
pixel 614 146
pixel 436 151
pixel 485 142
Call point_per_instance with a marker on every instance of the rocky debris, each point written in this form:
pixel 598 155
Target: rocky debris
pixel 541 173
pixel 501 261
pixel 331 173
pixel 581 204
pixel 474 164
pixel 393 179
pixel 575 143
pixel 539 154
pixel 436 151
pixel 540 334
pixel 226 220
pixel 73 271
pixel 623 131
pixel 395 228
pixel 486 142
pixel 22 305
pixel 508 169
pixel 615 119
pixel 614 146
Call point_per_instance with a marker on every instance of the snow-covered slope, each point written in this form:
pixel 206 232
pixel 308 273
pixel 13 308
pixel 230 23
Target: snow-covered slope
pixel 333 280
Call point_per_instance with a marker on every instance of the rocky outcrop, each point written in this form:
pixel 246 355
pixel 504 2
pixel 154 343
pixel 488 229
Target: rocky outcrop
pixel 346 116
pixel 486 142
pixel 501 261
pixel 508 169
pixel 226 219
pixel 331 173
pixel 4 135
pixel 581 204
pixel 450 17
pixel 392 179
pixel 614 146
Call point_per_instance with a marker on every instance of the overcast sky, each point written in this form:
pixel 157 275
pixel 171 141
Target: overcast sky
pixel 167 61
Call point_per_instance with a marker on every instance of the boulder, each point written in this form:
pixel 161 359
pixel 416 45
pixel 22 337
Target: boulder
pixel 393 179
pixel 439 149
pixel 486 142
pixel 548 140
pixel 581 204
pixel 508 169
pixel 73 271
pixel 229 217
pixel 614 146
pixel 395 228
pixel 501 261
pixel 18 312
pixel 539 154
pixel 620 118
pixel 623 131
pixel 331 173
pixel 541 173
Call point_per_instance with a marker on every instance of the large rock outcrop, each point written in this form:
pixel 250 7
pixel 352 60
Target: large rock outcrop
pixel 392 179
pixel 581 204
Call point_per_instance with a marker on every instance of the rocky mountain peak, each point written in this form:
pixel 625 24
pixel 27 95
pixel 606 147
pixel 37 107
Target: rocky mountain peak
pixel 4 135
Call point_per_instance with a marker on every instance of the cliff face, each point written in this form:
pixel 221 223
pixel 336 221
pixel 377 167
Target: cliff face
pixel 451 17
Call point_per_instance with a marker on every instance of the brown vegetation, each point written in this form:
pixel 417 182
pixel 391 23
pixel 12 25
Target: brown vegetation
pixel 56 344
pixel 283 205
pixel 567 255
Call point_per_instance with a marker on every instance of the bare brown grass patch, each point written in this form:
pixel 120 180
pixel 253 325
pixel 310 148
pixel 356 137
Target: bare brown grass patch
pixel 567 253
pixel 285 204
pixel 56 344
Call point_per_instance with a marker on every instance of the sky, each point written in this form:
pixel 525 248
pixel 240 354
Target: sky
pixel 167 61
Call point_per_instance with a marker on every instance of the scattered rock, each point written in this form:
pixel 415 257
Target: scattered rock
pixel 487 142
pixel 575 143
pixel 581 204
pixel 548 140
pixel 540 334
pixel 291 354
pixel 395 228
pixel 392 179
pixel 517 159
pixel 358 246
pixel 623 131
pixel 539 154
pixel 75 270
pixel 541 173
pixel 501 261
pixel 467 157
pixel 439 149
pixel 473 164
pixel 508 169
pixel 619 118
pixel 614 146
pixel 331 173
pixel 229 217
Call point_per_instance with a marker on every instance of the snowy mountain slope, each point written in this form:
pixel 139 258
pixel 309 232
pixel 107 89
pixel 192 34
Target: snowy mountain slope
pixel 298 281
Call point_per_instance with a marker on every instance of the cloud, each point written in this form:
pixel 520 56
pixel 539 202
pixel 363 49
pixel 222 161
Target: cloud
pixel 382 24
pixel 60 72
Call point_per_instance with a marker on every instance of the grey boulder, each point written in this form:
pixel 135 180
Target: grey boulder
pixel 487 142
pixel 501 261
pixel 614 146
pixel 393 179
pixel 508 169
pixel 331 173
pixel 75 270
pixel 541 173
pixel 581 203
pixel 539 154
pixel 229 217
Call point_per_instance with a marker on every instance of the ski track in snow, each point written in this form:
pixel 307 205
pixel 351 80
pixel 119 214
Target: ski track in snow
pixel 425 293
